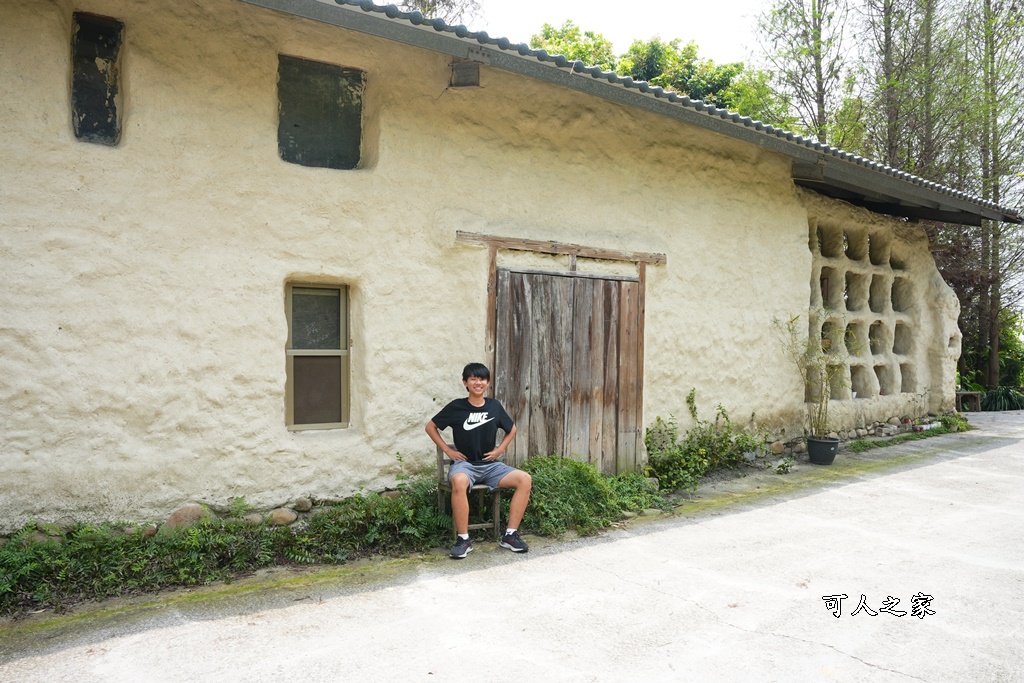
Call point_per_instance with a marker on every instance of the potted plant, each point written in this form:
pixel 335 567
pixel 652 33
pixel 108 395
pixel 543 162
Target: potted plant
pixel 816 357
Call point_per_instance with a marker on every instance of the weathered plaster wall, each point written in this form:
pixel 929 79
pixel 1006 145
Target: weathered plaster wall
pixel 142 319
pixel 896 317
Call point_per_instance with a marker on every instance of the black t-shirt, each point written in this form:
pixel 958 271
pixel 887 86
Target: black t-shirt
pixel 475 430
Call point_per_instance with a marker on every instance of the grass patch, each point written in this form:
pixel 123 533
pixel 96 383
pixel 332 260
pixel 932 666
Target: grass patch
pixel 679 462
pixel 569 494
pixel 951 423
pixel 43 567
pixel 861 445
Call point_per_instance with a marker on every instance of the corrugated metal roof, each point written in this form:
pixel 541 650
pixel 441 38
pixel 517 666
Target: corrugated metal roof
pixel 821 167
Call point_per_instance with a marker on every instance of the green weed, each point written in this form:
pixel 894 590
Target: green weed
pixel 679 462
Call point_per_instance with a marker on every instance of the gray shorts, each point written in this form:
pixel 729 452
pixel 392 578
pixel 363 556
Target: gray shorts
pixel 488 473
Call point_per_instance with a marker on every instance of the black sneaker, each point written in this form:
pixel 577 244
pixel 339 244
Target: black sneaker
pixel 513 542
pixel 463 547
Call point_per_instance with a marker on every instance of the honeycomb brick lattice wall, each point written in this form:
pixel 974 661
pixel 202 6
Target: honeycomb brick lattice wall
pixel 863 304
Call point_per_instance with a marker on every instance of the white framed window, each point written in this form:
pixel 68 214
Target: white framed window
pixel 317 355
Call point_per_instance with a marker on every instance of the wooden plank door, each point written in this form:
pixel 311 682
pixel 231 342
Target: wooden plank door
pixel 567 367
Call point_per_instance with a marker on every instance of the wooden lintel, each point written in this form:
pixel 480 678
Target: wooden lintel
pixel 557 248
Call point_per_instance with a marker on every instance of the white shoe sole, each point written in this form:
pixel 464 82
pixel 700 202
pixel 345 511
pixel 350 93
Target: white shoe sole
pixel 459 557
pixel 513 549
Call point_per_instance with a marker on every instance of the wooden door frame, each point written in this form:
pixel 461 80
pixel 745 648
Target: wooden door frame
pixel 574 251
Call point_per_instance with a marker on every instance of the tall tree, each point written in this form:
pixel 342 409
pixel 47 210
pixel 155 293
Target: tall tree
pixel 1001 57
pixel 751 94
pixel 678 67
pixel 803 41
pixel 591 48
pixel 451 11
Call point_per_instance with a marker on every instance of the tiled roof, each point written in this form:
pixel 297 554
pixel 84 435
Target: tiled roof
pixel 821 167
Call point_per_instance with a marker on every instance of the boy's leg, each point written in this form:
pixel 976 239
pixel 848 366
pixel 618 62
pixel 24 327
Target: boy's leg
pixel 460 502
pixel 522 482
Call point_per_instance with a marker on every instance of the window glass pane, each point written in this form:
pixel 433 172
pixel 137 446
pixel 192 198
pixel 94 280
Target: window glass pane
pixel 316 318
pixel 317 388
pixel 320 113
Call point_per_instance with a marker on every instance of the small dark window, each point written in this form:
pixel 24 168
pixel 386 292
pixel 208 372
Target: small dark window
pixel 317 357
pixel 465 74
pixel 320 114
pixel 95 78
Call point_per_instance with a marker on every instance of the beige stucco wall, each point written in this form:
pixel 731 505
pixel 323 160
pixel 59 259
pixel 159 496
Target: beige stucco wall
pixel 142 321
pixel 901 318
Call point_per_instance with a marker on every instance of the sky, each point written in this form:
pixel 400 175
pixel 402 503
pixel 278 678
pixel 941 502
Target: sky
pixel 722 29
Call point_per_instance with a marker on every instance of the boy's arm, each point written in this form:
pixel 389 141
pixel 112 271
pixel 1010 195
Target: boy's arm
pixel 435 436
pixel 491 456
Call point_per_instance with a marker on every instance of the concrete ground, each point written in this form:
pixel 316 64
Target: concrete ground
pixel 732 588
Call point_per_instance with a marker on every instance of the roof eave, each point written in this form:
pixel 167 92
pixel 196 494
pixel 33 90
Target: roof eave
pixel 831 170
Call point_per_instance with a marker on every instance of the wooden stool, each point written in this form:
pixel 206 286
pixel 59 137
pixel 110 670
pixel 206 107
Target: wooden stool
pixel 444 496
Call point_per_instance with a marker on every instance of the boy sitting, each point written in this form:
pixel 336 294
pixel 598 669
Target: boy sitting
pixel 474 421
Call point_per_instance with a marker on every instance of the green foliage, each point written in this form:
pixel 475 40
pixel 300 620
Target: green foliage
pixel 104 561
pixel 569 494
pixel 239 507
pixel 370 523
pixel 955 422
pixel 785 466
pixel 91 562
pixel 634 492
pixel 804 43
pixel 751 94
pixel 674 467
pixel 591 48
pixel 677 67
pixel 679 463
pixel 1002 398
pixel 815 357
pixel 861 445
pixel 451 11
pixel 39 566
pixel 1011 348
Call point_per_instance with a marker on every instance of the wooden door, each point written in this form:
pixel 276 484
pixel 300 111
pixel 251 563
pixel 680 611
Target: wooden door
pixel 567 367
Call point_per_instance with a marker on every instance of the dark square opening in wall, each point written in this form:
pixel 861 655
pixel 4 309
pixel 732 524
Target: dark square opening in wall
pixel 878 338
pixel 465 75
pixel 903 340
pixel 838 386
pixel 320 113
pixel 831 337
pixel 832 286
pixel 886 380
pixel 861 382
pixel 879 293
pixel 857 339
pixel 902 295
pixel 831 242
pixel 95 78
pixel 856 245
pixel 879 249
pixel 908 379
pixel 856 294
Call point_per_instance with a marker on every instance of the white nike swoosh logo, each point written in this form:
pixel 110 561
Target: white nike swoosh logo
pixel 467 426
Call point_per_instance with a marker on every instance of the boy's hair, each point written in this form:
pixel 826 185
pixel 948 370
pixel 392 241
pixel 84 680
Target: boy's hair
pixel 476 370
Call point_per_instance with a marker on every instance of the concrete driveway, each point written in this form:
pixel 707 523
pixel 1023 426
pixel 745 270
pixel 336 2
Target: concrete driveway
pixel 736 588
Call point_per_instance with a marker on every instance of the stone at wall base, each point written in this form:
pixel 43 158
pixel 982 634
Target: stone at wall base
pixel 281 517
pixel 186 515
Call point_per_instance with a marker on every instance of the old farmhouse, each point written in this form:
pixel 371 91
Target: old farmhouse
pixel 247 246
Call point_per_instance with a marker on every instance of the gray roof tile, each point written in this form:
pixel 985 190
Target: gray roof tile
pixel 655 92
